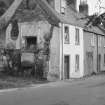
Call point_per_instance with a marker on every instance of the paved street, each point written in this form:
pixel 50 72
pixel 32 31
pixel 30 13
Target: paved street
pixel 82 92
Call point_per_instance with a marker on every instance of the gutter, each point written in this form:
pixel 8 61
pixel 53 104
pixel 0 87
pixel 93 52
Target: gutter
pixel 93 32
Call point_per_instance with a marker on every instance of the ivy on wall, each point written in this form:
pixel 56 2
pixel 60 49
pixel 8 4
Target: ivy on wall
pixel 47 39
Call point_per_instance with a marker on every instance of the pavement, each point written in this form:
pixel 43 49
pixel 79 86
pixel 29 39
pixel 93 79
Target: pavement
pixel 90 91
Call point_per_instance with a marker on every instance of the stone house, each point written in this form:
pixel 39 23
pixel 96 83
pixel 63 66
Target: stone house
pixel 75 50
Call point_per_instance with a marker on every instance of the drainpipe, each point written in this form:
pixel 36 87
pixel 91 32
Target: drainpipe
pixel 61 51
pixel 62 54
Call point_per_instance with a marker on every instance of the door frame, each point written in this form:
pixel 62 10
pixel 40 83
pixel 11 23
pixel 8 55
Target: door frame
pixel 88 56
pixel 99 62
pixel 64 65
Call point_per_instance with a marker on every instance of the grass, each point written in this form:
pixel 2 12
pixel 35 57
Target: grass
pixel 7 81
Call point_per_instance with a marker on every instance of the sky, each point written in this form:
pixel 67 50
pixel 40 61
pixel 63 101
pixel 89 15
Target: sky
pixel 93 6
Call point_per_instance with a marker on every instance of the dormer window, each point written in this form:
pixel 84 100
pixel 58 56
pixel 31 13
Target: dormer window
pixel 62 10
pixel 63 6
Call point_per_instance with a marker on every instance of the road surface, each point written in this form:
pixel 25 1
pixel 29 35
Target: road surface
pixel 84 92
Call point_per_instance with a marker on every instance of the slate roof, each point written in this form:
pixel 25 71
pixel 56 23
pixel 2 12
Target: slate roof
pixel 67 19
pixel 72 17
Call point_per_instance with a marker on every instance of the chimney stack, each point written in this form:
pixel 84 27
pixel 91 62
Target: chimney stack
pixel 83 7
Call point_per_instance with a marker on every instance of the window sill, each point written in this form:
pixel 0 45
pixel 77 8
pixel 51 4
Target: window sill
pixel 92 46
pixel 77 70
pixel 77 44
pixel 66 43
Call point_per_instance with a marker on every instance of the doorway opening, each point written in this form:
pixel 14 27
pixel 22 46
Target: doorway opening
pixel 89 59
pixel 66 67
pixel 99 62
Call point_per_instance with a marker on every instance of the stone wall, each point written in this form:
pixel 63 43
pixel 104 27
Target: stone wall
pixel 54 70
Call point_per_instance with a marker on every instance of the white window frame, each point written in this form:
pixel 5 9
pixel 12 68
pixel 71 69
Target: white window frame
pixel 66 34
pixel 104 41
pixel 93 40
pixel 62 10
pixel 104 59
pixel 77 36
pixel 77 62
pixel 99 41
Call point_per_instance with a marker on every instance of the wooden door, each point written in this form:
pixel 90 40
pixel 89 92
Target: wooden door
pixel 66 67
pixel 89 56
pixel 99 62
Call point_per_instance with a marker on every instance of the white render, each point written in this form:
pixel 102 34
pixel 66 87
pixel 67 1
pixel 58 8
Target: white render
pixel 72 49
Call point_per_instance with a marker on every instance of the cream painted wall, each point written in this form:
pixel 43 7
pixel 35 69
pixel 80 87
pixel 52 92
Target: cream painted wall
pixel 38 29
pixel 72 49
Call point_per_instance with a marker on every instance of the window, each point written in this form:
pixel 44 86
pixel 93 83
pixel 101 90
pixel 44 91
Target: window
pixel 104 59
pixel 31 42
pixel 104 41
pixel 62 10
pixel 66 35
pixel 76 63
pixel 93 40
pixel 99 41
pixel 77 37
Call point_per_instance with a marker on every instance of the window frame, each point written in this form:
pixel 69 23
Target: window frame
pixel 63 6
pixel 62 10
pixel 99 41
pixel 77 62
pixel 77 36
pixel 104 59
pixel 66 41
pixel 104 41
pixel 93 40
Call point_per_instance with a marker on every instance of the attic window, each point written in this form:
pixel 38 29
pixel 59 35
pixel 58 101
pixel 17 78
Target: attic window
pixel 63 6
pixel 62 10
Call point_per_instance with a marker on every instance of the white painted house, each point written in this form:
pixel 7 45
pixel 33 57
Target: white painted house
pixel 73 50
